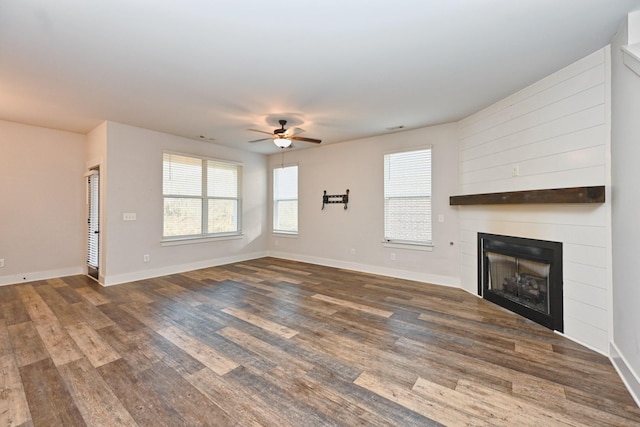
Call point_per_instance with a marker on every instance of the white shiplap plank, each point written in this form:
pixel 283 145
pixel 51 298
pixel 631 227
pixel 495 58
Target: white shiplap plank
pixel 587 294
pixel 549 113
pixel 568 124
pixel 595 256
pixel 572 215
pixel 591 275
pixel 584 81
pixel 496 112
pixel 555 162
pixel 518 151
pixel 560 179
pixel 589 314
pixel 585 333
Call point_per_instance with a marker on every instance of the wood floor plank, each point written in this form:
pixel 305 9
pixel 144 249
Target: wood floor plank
pixel 142 402
pixel 38 310
pixel 236 400
pixel 92 345
pixel 355 306
pixel 12 310
pixel 14 408
pixel 49 400
pixel 92 296
pixel 193 406
pixel 208 356
pixel 295 411
pixel 460 402
pixel 27 345
pixel 58 343
pixel 63 311
pixel 93 397
pixel 418 403
pixel 279 330
pixel 159 350
pixel 266 350
pixel 5 343
pixel 88 313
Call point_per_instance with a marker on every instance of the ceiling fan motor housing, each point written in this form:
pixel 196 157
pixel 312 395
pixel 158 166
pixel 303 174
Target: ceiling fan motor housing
pixel 282 129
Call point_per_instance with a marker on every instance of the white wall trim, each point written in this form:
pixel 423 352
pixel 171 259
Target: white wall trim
pixel 631 57
pixel 371 269
pixel 39 275
pixel 629 378
pixel 180 268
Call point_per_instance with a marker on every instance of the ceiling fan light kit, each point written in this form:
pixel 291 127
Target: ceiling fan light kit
pixel 282 142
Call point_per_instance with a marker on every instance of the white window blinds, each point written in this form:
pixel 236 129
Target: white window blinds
pixel 407 197
pixel 222 197
pixel 93 242
pixel 285 199
pixel 201 196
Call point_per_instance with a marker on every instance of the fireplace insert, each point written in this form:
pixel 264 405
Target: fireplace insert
pixel 522 275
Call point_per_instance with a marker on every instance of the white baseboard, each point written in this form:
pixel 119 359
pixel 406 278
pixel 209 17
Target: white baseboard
pixel 39 275
pixel 372 269
pixel 629 377
pixel 117 279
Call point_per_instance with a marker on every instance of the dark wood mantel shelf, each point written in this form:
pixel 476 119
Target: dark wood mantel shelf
pixel 594 194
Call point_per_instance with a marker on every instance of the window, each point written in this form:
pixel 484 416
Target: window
pixel 407 197
pixel 201 197
pixel 285 199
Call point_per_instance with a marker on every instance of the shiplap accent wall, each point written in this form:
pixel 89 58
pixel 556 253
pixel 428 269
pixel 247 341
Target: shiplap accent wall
pixel 554 133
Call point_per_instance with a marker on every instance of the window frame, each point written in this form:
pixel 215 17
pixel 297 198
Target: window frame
pixel 408 243
pixel 204 199
pixel 275 201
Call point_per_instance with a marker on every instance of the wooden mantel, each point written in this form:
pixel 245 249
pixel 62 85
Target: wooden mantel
pixel 594 194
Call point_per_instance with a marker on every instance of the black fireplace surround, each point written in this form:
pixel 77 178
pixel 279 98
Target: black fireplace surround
pixel 522 275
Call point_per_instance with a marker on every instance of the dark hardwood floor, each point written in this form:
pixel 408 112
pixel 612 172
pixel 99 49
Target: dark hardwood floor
pixel 270 342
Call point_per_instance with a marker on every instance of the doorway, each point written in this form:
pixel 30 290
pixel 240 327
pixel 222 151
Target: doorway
pixel 93 223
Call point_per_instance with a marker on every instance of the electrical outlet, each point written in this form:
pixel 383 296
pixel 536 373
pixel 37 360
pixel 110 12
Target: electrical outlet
pixel 353 251
pixel 129 216
pixel 393 257
pixel 1 262
pixel 515 170
pixel 146 258
pixel 440 218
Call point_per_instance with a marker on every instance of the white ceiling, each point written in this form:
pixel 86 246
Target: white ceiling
pixel 340 69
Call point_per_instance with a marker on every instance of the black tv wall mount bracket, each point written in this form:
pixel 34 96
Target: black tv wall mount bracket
pixel 335 198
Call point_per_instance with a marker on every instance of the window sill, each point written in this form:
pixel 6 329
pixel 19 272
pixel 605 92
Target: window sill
pixel 203 239
pixel 409 246
pixel 289 234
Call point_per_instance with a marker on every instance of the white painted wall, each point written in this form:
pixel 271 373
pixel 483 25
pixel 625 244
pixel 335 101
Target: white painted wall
pixel 134 185
pixel 625 153
pixel 327 236
pixel 556 132
pixel 42 199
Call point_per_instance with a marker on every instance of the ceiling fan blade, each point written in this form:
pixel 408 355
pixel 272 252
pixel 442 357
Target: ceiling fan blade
pixel 261 139
pixel 261 131
pixel 301 138
pixel 293 132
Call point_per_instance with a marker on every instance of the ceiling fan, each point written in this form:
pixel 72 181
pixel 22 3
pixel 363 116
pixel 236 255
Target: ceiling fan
pixel 283 137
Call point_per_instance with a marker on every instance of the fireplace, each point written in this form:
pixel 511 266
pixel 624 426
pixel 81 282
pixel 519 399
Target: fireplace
pixel 522 275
